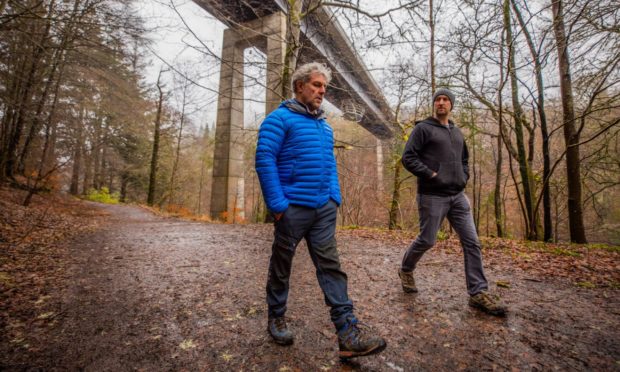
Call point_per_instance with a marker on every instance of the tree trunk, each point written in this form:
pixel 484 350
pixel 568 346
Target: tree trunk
pixel 40 174
pixel 474 178
pixel 86 183
pixel 49 156
pixel 96 154
pixel 497 198
pixel 103 167
pixel 77 156
pixel 547 223
pixel 524 169
pixel 26 97
pixel 36 122
pixel 478 191
pixel 203 166
pixel 571 136
pixel 57 61
pixel 150 200
pixel 393 223
pixel 431 21
pixel 540 104
pixel 124 183
pixel 179 138
pixel 293 30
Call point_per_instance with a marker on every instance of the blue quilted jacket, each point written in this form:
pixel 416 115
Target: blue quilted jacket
pixel 295 159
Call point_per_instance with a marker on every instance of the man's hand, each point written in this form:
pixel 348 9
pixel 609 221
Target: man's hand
pixel 434 175
pixel 277 216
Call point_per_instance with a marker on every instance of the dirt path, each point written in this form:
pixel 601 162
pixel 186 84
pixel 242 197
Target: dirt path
pixel 150 293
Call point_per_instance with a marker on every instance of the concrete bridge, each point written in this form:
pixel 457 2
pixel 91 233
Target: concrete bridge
pixel 262 24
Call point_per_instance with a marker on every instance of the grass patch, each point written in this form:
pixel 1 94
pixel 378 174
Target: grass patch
pixel 564 252
pixel 613 284
pixel 605 247
pixel 586 284
pixel 102 196
pixel 6 279
pixel 442 235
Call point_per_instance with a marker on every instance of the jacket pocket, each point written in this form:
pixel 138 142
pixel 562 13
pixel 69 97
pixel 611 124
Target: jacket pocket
pixel 450 175
pixel 289 176
pixel 283 232
pixel 433 166
pixel 461 178
pixel 441 177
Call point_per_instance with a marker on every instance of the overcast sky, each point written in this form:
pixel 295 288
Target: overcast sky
pixel 174 47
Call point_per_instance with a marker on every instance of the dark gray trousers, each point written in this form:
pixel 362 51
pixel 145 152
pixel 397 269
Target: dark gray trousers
pixel 318 227
pixel 433 209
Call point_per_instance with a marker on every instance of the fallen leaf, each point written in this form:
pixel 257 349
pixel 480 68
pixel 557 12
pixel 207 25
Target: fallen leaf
pixel 187 344
pixel 46 315
pixel 503 283
pixel 42 299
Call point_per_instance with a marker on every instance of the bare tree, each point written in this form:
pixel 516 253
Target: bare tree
pixel 571 135
pixel 150 200
pixel 519 118
pixel 540 105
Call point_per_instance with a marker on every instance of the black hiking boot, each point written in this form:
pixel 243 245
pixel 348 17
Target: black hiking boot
pixel 490 304
pixel 407 281
pixel 357 339
pixel 279 331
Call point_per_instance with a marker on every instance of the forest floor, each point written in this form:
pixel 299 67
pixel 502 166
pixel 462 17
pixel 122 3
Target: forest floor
pixel 86 286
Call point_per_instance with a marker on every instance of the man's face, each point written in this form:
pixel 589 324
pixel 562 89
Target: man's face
pixel 442 105
pixel 311 92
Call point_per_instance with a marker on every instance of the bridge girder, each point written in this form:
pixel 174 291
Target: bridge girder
pixel 322 40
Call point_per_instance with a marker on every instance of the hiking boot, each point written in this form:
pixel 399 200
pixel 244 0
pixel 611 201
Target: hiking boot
pixel 356 339
pixel 407 281
pixel 279 331
pixel 488 303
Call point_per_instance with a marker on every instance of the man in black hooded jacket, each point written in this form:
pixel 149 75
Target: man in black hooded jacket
pixel 436 153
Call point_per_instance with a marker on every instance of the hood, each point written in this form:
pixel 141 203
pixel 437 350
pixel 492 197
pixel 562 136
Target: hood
pixel 432 121
pixel 298 107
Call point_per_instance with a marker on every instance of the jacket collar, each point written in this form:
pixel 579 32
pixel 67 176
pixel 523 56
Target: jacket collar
pixel 298 107
pixel 432 121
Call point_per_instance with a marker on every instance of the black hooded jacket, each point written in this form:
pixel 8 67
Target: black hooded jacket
pixel 434 147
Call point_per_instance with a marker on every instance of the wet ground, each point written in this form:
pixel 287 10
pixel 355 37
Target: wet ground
pixel 150 293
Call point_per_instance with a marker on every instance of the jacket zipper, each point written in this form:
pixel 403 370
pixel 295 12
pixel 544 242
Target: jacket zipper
pixel 453 153
pixel 321 135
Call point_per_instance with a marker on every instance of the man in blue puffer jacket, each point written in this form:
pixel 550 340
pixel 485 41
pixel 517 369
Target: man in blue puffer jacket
pixel 296 167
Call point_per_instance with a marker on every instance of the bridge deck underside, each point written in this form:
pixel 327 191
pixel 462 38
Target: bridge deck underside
pixel 322 41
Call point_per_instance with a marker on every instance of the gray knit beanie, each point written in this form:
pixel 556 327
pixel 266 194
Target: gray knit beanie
pixel 444 92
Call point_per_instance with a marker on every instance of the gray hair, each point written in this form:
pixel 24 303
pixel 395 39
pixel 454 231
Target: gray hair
pixel 304 72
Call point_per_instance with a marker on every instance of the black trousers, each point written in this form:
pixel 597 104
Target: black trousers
pixel 318 227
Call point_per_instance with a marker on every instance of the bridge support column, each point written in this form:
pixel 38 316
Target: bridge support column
pixel 269 35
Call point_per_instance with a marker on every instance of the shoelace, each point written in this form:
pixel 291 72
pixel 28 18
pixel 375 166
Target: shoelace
pixel 355 328
pixel 280 324
pixel 488 299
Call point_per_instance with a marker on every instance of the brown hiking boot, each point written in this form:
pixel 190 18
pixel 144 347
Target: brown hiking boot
pixel 488 303
pixel 407 281
pixel 279 331
pixel 357 339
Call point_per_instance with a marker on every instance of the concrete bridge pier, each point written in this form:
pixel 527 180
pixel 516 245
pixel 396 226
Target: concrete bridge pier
pixel 268 34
